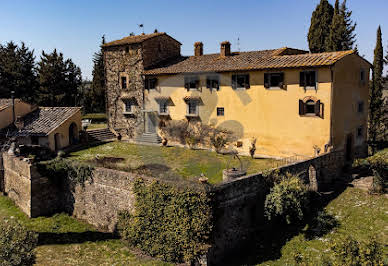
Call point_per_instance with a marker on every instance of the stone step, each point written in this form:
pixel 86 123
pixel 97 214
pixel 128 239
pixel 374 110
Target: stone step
pixel 149 138
pixel 100 134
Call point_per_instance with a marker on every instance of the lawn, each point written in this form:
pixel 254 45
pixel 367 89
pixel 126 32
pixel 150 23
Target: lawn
pixel 177 161
pixel 64 240
pixel 94 126
pixel 359 214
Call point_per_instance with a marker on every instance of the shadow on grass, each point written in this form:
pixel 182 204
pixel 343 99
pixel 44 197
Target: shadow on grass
pixel 74 238
pixel 267 242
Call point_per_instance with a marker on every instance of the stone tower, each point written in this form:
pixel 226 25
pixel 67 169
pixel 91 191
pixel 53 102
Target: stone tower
pixel 125 60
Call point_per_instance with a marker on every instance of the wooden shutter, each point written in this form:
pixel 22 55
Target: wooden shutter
pixel 187 85
pixel 266 80
pixel 318 108
pixel 197 82
pixel 154 83
pixel 247 83
pixel 234 82
pixel 208 83
pixel 301 107
pixel 217 81
pixel 146 84
pixel 302 79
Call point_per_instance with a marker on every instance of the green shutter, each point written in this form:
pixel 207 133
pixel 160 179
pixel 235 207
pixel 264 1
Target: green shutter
pixel 318 108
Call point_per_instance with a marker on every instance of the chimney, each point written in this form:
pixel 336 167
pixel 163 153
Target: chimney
pixel 225 49
pixel 198 49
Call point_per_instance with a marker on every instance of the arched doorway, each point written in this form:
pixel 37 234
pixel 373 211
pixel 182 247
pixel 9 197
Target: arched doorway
pixel 349 148
pixel 57 141
pixel 313 182
pixel 73 134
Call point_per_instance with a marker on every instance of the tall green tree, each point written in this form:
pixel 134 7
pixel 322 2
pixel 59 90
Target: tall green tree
pixel 376 100
pixel 59 80
pixel 98 82
pixel 349 37
pixel 337 29
pixel 17 71
pixel 319 30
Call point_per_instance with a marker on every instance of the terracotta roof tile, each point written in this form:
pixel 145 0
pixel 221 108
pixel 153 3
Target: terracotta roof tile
pixel 255 60
pixel 134 39
pixel 42 121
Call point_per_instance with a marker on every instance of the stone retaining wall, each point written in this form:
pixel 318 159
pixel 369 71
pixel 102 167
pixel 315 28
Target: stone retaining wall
pixel 1 174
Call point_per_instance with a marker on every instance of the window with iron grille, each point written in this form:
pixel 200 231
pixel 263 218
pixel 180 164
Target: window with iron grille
pixel 240 81
pixel 220 111
pixel 192 107
pixel 163 107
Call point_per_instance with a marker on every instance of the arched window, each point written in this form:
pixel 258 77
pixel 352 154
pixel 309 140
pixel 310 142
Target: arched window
pixel 310 106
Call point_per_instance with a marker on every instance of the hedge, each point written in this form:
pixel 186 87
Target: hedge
pixel 168 222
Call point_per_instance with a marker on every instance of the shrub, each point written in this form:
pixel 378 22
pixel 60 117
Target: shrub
pixel 287 200
pixel 349 251
pixel 16 244
pixel 168 222
pixel 175 130
pixel 252 148
pixel 220 138
pixel 379 165
pixel 59 169
pixel 321 224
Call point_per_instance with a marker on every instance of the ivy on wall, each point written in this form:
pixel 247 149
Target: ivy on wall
pixel 168 222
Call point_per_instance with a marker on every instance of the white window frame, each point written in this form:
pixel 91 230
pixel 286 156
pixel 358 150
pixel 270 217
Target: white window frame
pixel 130 103
pixel 163 103
pixel 196 108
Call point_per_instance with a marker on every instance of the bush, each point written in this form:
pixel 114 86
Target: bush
pixel 379 165
pixel 168 222
pixel 220 138
pixel 321 224
pixel 349 251
pixel 16 244
pixel 287 200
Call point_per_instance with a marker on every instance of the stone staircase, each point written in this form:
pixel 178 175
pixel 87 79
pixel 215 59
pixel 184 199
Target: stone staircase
pixel 148 138
pixel 98 135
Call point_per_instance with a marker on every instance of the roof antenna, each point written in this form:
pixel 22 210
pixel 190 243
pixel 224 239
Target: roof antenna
pixel 238 44
pixel 142 27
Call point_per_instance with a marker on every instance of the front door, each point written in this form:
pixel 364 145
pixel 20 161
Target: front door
pixel 349 148
pixel 150 124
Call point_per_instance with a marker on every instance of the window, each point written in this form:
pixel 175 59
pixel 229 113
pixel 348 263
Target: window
pixel 35 140
pixel 308 79
pixel 274 80
pixel 127 49
pixel 163 107
pixel 310 107
pixel 192 108
pixel 360 107
pixel 213 82
pixel 362 75
pixel 192 82
pixel 220 111
pixel 150 83
pixel 240 81
pixel 360 132
pixel 123 82
pixel 128 104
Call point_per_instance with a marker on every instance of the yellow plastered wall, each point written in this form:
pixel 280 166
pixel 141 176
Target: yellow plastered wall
pixel 21 109
pixel 63 132
pixel 348 90
pixel 270 115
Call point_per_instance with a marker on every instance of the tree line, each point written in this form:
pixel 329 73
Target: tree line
pixel 51 81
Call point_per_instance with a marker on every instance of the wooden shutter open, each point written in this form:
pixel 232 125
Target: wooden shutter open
pixel 266 80
pixel 301 107
pixel 247 83
pixel 302 79
pixel 318 108
pixel 234 82
pixel 197 83
pixel 187 85
pixel 208 83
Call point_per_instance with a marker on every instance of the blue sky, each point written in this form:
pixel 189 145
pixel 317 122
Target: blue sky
pixel 75 27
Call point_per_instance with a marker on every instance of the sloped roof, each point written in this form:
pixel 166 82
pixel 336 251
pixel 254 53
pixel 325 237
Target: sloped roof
pixel 4 102
pixel 240 61
pixel 135 39
pixel 42 121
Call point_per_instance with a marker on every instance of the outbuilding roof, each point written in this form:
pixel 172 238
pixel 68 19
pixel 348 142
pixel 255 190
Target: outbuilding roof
pixel 42 121
pixel 244 61
pixel 135 39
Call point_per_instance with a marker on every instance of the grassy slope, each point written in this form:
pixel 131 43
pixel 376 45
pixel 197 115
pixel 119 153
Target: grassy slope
pixel 73 242
pixel 186 162
pixel 360 215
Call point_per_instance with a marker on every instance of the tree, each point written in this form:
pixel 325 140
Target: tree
pixel 59 80
pixel 376 101
pixel 17 71
pixel 319 31
pixel 349 37
pixel 98 82
pixel 337 29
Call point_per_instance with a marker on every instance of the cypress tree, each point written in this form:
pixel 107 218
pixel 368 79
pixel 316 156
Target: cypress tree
pixel 337 29
pixel 376 100
pixel 349 37
pixel 98 82
pixel 319 30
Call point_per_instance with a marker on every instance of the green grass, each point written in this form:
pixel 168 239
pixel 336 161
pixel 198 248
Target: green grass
pixel 360 215
pixel 72 242
pixel 97 116
pixel 93 126
pixel 184 162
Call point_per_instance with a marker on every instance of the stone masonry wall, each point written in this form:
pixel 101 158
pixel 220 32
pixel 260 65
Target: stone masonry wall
pixel 130 61
pixel 98 202
pixel 1 174
pixel 239 204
